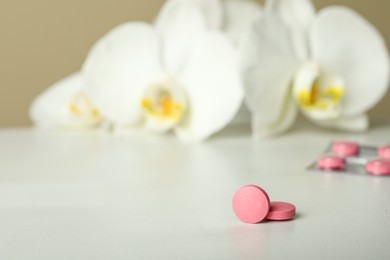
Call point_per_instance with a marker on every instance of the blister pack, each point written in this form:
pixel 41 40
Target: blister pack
pixel 353 158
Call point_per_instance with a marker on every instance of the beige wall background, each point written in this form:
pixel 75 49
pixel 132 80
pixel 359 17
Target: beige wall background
pixel 42 41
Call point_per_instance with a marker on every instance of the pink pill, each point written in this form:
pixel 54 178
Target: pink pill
pixel 281 211
pixel 345 148
pixel 331 163
pixel 378 167
pixel 251 204
pixel 384 152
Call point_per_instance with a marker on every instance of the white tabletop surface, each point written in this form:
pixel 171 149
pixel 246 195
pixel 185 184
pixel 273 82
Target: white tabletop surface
pixel 95 196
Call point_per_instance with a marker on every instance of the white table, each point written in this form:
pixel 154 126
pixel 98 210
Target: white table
pixel 95 196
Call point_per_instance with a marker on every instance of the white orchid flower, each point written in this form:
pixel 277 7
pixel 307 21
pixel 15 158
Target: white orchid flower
pixel 233 17
pixel 178 76
pixel 65 105
pixel 333 66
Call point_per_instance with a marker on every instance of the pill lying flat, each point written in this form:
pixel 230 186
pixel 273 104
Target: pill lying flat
pixel 251 204
pixel 331 163
pixel 281 211
pixel 346 148
pixel 384 152
pixel 378 167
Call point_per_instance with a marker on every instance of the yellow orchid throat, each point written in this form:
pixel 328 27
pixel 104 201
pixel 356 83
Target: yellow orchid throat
pixel 81 107
pixel 165 108
pixel 320 99
pixel 318 93
pixel 164 102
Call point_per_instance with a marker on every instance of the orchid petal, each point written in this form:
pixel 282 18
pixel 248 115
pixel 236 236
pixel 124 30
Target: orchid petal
pixel 213 87
pixel 53 108
pixel 239 16
pixel 357 123
pixel 293 12
pixel 345 42
pixel 179 22
pixel 212 9
pixel 297 15
pixel 284 122
pixel 119 69
pixel 268 63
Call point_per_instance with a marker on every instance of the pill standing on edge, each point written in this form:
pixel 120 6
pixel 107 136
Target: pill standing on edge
pixel 251 204
pixel 384 152
pixel 346 148
pixel 331 163
pixel 281 211
pixel 378 167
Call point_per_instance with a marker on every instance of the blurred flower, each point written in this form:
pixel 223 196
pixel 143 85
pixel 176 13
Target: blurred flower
pixel 233 17
pixel 65 105
pixel 177 76
pixel 333 66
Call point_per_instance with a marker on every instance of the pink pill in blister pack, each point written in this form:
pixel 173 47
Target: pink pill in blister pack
pixel 384 152
pixel 252 205
pixel 350 157
pixel 331 163
pixel 379 167
pixel 345 148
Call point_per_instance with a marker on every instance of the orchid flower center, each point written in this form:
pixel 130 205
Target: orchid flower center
pixel 164 105
pixel 318 93
pixel 81 107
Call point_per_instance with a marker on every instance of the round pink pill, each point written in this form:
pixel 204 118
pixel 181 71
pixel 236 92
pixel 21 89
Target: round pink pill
pixel 331 163
pixel 378 167
pixel 384 152
pixel 251 204
pixel 345 148
pixel 281 211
